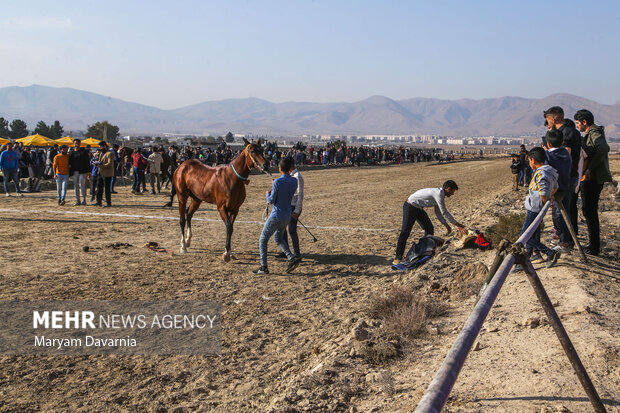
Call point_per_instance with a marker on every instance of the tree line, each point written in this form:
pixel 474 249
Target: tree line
pixel 18 129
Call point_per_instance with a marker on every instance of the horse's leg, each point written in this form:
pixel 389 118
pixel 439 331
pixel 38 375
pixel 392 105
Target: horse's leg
pixel 224 215
pixel 232 215
pixel 182 214
pixel 193 207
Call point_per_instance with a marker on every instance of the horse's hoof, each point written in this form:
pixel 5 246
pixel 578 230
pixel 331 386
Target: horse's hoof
pixel 188 244
pixel 226 256
pixel 233 256
pixel 183 251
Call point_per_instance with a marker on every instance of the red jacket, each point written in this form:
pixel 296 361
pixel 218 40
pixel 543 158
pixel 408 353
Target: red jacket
pixel 138 161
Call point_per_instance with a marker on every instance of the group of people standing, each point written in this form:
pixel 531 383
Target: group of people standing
pixel 79 163
pixel 565 165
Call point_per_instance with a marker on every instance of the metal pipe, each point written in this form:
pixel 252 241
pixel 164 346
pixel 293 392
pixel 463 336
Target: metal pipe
pixel 525 237
pixel 441 386
pixel 567 345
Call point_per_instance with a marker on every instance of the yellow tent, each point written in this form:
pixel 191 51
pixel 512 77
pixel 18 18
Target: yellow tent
pixel 68 140
pixel 36 140
pixel 4 141
pixel 91 142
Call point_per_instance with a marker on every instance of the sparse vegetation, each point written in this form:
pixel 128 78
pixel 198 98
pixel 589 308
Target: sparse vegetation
pixel 508 227
pixel 405 314
pixel 380 352
pixel 469 279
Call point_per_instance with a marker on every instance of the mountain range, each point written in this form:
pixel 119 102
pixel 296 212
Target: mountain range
pixel 504 116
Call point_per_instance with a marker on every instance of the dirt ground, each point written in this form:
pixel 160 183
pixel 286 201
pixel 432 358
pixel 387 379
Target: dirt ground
pixel 289 340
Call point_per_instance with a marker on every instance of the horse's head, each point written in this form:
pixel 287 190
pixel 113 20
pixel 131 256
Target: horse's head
pixel 255 158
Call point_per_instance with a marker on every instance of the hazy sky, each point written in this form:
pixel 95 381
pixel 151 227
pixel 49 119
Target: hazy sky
pixel 171 54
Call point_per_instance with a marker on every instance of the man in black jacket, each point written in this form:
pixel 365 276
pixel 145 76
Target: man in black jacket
pixel 572 142
pixel 79 166
pixel 596 173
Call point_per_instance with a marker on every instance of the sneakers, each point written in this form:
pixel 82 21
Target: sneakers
pixel 261 270
pixel 588 249
pixel 552 258
pixel 517 268
pixel 78 203
pixel 292 264
pixel 84 202
pixel 96 204
pixel 281 254
pixel 61 202
pixel 20 194
pixel 107 205
pixel 564 249
pixel 536 257
pixel 7 194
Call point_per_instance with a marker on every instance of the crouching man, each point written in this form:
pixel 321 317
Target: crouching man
pixel 413 210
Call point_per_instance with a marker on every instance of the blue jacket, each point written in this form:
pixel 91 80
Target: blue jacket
pixel 561 161
pixel 281 195
pixel 9 160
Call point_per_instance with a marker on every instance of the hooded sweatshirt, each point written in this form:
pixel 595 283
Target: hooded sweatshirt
pixel 543 183
pixel 572 140
pixel 560 160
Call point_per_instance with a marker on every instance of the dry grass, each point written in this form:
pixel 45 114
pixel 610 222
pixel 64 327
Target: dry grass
pixel 405 313
pixel 380 352
pixel 468 280
pixel 508 227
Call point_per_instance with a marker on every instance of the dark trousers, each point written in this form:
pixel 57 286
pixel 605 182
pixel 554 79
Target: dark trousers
pixel 292 229
pixel 138 177
pixel 590 194
pixel 558 219
pixel 572 210
pixel 93 186
pixel 103 184
pixel 412 214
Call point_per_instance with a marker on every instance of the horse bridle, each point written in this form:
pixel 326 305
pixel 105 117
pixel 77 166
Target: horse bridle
pixel 255 164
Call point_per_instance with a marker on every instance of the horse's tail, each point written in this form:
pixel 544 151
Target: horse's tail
pixel 172 193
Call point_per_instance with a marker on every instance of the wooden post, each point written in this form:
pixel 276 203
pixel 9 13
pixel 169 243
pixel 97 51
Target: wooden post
pixel 571 230
pixel 567 345
pixel 499 257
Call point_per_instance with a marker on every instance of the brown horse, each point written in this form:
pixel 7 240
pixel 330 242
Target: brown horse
pixel 223 186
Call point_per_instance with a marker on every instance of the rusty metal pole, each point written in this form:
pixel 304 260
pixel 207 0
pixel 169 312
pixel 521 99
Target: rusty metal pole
pixel 499 257
pixel 567 345
pixel 440 387
pixel 571 230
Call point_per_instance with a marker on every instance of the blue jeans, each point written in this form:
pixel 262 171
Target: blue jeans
pixel 137 178
pixel 11 174
pixel 61 185
pixel 275 227
pixel 534 243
